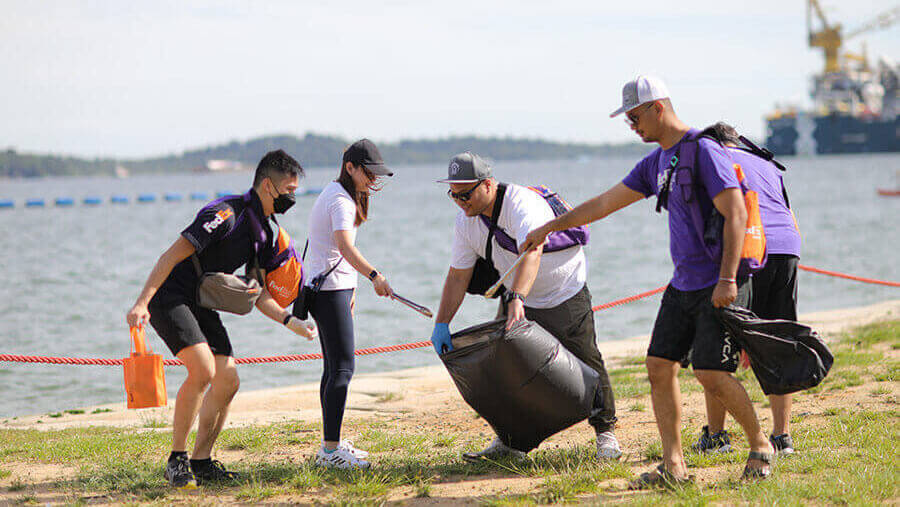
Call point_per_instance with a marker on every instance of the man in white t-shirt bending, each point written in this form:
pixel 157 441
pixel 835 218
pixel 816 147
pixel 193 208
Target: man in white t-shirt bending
pixel 547 288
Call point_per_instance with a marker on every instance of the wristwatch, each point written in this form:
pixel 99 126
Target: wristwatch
pixel 510 295
pixel 373 274
pixel 287 319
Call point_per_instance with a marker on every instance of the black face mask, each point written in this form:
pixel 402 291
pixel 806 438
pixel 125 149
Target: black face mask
pixel 283 202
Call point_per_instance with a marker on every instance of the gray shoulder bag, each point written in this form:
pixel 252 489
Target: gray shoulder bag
pixel 227 292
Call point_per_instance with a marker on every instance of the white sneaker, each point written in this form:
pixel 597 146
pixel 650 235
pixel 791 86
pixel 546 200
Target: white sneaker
pixel 608 446
pixel 347 445
pixel 340 458
pixel 495 450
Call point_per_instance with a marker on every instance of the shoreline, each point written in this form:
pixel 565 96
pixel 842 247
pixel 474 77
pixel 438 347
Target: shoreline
pixel 411 390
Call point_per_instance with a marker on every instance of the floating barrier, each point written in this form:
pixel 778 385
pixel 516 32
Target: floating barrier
pixel 93 200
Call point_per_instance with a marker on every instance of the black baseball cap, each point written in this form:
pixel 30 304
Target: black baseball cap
pixel 364 152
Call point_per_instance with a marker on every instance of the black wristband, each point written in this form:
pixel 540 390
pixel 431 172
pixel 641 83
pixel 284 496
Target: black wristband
pixel 287 319
pixel 373 274
pixel 510 295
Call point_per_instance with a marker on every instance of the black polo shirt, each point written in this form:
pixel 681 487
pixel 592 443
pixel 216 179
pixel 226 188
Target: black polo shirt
pixel 224 234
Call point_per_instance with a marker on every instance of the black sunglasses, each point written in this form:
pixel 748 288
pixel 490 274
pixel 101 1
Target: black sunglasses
pixel 463 196
pixel 633 119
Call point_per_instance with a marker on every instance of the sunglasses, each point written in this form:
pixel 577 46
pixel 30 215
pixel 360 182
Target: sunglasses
pixel 463 196
pixel 632 119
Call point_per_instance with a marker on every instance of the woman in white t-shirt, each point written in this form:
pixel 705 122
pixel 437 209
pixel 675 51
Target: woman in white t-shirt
pixel 339 210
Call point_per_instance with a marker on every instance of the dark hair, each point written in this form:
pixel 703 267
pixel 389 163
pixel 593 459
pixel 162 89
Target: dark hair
pixel 725 133
pixel 360 198
pixel 276 163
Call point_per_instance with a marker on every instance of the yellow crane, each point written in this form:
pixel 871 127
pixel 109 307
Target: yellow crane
pixel 830 38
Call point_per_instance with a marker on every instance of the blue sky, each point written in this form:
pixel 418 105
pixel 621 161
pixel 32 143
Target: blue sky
pixel 143 78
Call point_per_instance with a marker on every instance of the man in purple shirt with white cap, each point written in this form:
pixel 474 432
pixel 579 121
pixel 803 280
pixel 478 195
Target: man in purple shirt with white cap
pixel 700 284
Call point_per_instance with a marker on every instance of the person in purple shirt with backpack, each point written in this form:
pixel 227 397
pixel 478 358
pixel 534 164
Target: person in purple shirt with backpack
pixel 691 177
pixel 774 288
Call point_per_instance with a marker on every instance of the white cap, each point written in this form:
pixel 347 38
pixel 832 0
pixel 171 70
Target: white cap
pixel 639 91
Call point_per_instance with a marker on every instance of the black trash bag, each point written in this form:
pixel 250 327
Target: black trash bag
pixel 523 382
pixel 785 356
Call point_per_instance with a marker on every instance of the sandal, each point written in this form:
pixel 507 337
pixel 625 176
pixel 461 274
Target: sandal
pixel 659 478
pixel 758 473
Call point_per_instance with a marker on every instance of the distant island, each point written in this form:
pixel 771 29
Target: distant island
pixel 312 150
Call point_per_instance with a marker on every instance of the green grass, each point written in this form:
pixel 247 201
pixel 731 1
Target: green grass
pixel 388 396
pixel 846 455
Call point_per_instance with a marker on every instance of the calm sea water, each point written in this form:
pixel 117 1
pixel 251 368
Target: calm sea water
pixel 70 274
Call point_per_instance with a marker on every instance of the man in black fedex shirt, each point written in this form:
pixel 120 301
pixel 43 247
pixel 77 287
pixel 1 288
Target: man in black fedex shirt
pixel 225 235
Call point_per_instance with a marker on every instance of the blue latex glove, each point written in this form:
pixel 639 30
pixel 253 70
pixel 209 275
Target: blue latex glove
pixel 440 337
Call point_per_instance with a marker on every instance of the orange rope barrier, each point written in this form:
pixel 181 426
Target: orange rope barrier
pixel 376 350
pixel 848 277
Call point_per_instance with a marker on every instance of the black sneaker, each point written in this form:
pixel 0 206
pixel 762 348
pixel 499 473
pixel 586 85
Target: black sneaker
pixel 716 443
pixel 178 473
pixel 783 444
pixel 215 472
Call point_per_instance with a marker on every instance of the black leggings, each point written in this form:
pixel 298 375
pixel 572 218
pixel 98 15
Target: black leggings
pixel 331 311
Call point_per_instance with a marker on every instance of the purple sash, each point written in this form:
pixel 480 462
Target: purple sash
pixel 556 241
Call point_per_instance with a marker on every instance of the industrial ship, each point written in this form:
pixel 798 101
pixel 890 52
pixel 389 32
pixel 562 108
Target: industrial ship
pixel 856 108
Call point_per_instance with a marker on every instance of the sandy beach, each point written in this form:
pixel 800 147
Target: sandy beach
pixel 409 391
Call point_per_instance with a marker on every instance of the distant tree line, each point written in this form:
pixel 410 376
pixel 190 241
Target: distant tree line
pixel 312 150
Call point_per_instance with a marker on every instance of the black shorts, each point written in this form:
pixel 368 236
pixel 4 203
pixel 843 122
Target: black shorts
pixel 687 320
pixel 775 288
pixel 182 323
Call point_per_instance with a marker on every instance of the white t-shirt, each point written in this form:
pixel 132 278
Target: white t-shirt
pixel 561 274
pixel 334 210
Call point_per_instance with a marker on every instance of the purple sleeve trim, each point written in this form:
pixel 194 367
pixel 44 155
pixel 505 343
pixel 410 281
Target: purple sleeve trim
pixel 192 240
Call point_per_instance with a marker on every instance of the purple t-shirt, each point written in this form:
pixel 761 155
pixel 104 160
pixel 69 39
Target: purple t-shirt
pixel 782 236
pixel 694 268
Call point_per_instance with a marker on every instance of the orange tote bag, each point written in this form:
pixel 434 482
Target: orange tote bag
pixel 145 381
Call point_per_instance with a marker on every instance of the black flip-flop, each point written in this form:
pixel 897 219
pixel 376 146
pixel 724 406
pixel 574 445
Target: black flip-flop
pixel 758 473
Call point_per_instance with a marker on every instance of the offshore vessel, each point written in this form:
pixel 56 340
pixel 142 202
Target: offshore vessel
pixel 856 108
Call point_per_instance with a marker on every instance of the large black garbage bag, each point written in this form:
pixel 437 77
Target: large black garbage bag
pixel 785 356
pixel 523 382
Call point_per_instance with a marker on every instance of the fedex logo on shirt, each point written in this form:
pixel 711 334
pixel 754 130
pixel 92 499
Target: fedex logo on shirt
pixel 280 290
pixel 221 216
